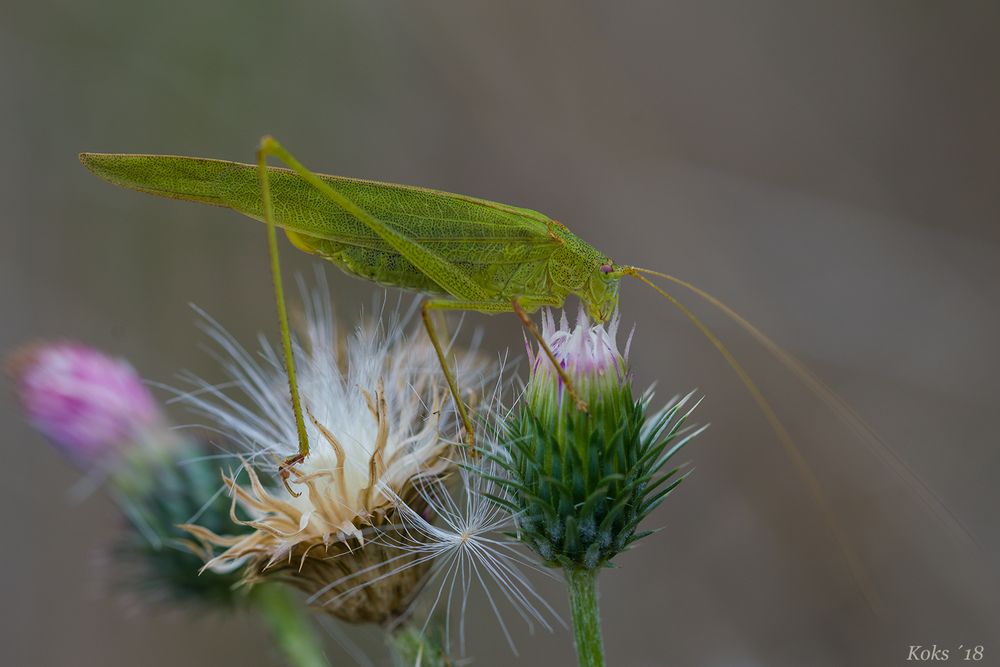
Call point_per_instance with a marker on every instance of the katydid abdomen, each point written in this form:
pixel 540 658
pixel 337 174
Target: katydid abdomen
pixel 501 267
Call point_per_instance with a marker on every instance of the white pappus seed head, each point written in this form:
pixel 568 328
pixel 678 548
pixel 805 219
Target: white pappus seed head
pixel 462 537
pixel 379 417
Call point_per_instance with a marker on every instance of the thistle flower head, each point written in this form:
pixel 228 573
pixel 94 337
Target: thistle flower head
pixel 97 410
pixel 377 414
pixel 458 532
pixel 581 482
pixel 88 404
pixel 587 353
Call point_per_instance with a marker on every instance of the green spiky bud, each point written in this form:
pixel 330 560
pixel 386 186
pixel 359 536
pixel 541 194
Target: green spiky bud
pixel 162 483
pixel 581 482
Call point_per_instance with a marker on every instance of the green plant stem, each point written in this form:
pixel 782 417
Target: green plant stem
pixel 418 646
pixel 582 584
pixel 290 625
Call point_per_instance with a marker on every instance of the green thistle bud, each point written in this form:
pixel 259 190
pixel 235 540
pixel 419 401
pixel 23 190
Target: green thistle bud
pixel 581 482
pixel 161 486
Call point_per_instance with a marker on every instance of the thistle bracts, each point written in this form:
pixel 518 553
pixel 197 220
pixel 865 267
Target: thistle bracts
pixel 155 557
pixel 580 483
pixel 424 646
pixel 343 570
pixel 583 482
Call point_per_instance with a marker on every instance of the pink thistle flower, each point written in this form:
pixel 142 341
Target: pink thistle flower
pixel 588 352
pixel 586 349
pixel 88 404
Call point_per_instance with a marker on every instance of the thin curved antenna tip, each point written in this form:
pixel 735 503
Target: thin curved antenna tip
pixel 788 444
pixel 838 405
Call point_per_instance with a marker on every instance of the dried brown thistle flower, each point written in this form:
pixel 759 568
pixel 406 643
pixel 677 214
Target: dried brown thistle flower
pixel 377 422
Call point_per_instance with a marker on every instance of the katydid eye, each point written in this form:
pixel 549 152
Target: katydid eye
pixel 607 268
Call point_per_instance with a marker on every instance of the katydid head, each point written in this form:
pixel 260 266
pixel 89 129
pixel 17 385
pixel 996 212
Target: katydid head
pixel 601 295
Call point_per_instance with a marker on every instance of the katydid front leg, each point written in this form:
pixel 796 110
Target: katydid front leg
pixel 581 405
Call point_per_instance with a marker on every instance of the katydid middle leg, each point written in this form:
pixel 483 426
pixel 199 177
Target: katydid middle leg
pixel 449 376
pixel 450 304
pixel 516 306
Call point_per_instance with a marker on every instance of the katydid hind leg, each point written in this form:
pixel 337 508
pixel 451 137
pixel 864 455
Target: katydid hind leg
pixel 286 338
pixel 447 275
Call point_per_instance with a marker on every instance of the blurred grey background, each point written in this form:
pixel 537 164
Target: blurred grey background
pixel 829 169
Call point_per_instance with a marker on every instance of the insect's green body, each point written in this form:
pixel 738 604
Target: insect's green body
pixel 466 253
pixel 503 252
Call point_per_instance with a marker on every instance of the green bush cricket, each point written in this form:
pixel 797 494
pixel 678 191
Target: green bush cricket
pixel 463 253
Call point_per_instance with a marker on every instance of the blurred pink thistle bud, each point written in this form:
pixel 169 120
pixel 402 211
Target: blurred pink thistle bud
pixel 87 403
